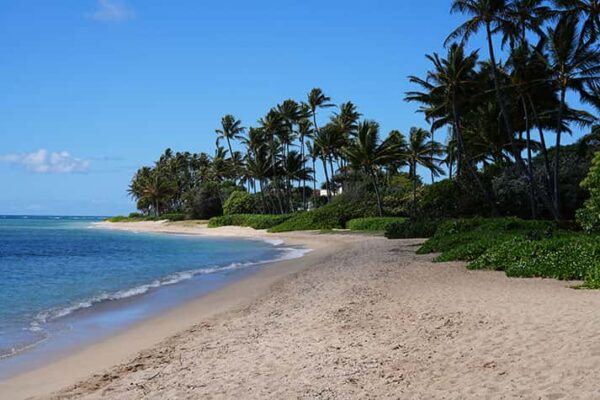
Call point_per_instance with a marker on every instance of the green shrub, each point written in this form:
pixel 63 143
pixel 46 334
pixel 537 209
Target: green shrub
pixel 589 215
pixel 239 202
pixel 473 247
pixel 372 223
pixel 256 221
pixel 564 256
pixel 592 279
pixel 173 216
pixel 334 215
pixel 450 199
pixel 467 239
pixel 411 229
pixel 117 218
pixel 135 215
pixel 520 248
pixel 310 220
pixel 506 224
pixel 122 218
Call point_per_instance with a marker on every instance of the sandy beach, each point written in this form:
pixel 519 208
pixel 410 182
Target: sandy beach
pixel 359 317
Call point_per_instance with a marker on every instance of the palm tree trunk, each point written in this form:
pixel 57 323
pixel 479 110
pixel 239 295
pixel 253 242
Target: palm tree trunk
pixel 332 171
pixel 529 160
pixel 556 187
pixel 314 165
pixel 304 166
pixel 262 197
pixel 500 99
pixel 432 141
pixel 229 146
pixel 413 177
pixel 326 177
pixel 543 144
pixel 377 195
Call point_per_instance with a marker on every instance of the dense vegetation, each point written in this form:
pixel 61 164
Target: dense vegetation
pixel 506 118
pixel 251 220
pixel 520 248
pixel 373 223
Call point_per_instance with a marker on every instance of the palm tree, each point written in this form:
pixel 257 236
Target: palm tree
pixel 524 16
pixel 586 10
pixel 316 100
pixel 396 139
pixel 258 166
pixel 305 131
pixel 347 118
pixel 573 65
pixel 449 92
pixel 422 150
pixel 271 126
pixel 591 95
pixel 346 122
pixel 295 170
pixel 366 154
pixel 231 129
pixel 290 113
pixel 150 186
pixel 330 141
pixel 313 153
pixel 492 16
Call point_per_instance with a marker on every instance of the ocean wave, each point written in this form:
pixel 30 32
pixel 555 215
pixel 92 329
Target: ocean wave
pixel 274 242
pixel 6 353
pixel 287 253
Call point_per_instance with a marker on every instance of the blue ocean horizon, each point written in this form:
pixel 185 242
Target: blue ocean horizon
pixel 57 271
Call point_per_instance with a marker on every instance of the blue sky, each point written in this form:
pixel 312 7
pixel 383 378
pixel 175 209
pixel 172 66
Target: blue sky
pixel 93 89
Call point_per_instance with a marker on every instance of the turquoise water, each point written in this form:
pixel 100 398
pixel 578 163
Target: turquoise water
pixel 60 274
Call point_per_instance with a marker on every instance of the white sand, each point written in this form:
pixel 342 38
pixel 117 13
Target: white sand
pixel 362 317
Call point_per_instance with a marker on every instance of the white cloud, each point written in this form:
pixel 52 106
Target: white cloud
pixel 111 11
pixel 42 161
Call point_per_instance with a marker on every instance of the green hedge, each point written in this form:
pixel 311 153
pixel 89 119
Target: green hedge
pixel 467 239
pixel 173 216
pixel 334 215
pixel 588 216
pixel 520 248
pixel 565 256
pixel 122 218
pixel 137 217
pixel 239 202
pixel 411 229
pixel 372 223
pixel 256 221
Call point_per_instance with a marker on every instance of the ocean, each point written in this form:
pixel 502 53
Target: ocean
pixel 63 279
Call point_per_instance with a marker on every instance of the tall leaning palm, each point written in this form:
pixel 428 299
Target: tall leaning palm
pixel 424 151
pixel 492 16
pixel 231 129
pixel 574 65
pixel 446 95
pixel 316 100
pixel 305 131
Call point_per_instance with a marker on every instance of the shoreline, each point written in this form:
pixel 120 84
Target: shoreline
pixel 98 354
pixel 359 317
